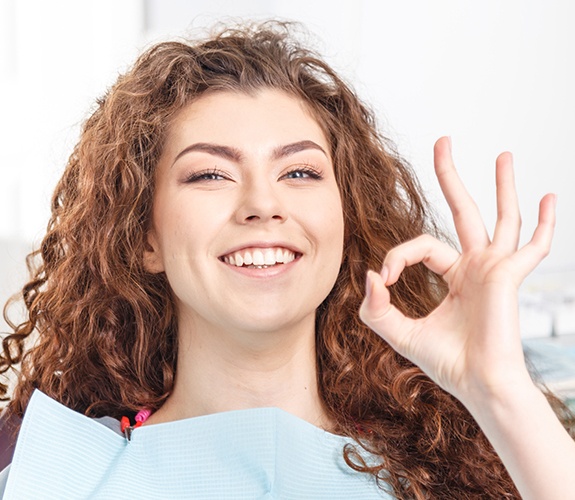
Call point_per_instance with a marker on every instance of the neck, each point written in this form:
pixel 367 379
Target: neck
pixel 218 371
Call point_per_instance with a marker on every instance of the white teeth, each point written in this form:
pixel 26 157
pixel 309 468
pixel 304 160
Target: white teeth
pixel 248 260
pixel 288 256
pixel 269 257
pixel 279 255
pixel 260 258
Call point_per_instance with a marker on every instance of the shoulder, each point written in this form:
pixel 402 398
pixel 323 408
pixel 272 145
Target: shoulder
pixel 4 480
pixel 109 422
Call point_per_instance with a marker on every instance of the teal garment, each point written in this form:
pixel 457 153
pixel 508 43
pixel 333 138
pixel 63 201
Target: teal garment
pixel 259 453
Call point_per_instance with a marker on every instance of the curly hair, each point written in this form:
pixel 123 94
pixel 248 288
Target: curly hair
pixel 103 330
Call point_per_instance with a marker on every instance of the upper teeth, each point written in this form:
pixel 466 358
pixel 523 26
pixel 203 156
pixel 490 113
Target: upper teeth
pixel 259 257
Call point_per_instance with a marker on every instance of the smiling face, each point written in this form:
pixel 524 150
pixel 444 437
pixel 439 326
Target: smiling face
pixel 247 218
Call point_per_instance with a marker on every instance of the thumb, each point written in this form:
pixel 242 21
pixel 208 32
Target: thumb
pixel 379 314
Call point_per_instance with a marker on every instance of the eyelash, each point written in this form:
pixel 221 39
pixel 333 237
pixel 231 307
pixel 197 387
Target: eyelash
pixel 205 175
pixel 313 173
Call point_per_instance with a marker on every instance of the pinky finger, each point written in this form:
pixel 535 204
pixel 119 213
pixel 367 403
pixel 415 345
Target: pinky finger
pixel 528 257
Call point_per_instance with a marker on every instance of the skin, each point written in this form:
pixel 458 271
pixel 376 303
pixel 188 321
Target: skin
pixel 247 335
pixel 239 173
pixel 470 345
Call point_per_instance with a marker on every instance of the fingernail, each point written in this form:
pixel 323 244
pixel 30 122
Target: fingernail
pixel 450 143
pixel 384 274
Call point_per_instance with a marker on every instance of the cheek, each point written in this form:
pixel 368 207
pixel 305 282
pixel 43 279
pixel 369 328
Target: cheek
pixel 328 223
pixel 332 241
pixel 337 239
pixel 333 217
pixel 337 232
pixel 177 219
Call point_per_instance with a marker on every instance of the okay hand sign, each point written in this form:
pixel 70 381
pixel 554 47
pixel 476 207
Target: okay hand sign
pixel 470 345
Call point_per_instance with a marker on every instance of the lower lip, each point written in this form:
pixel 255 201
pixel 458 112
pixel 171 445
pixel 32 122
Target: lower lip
pixel 267 272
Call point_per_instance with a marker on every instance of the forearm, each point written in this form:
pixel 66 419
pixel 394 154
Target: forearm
pixel 537 451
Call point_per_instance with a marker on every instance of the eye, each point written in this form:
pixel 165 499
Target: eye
pixel 302 172
pixel 206 175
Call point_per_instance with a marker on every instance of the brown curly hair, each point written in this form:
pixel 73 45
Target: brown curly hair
pixel 104 330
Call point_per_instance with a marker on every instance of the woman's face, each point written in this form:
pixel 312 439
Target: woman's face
pixel 247 217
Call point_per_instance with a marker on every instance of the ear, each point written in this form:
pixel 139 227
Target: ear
pixel 153 260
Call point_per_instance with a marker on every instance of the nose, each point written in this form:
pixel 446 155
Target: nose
pixel 260 202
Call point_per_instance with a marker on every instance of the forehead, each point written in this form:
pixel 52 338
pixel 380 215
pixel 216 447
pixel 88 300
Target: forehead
pixel 263 119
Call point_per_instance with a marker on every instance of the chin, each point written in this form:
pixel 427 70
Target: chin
pixel 270 324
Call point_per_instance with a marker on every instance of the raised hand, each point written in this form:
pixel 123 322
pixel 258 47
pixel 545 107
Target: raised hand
pixel 470 345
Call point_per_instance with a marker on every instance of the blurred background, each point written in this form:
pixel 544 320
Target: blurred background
pixel 494 75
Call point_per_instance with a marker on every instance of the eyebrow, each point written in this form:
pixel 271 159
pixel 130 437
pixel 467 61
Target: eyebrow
pixel 295 147
pixel 234 154
pixel 226 152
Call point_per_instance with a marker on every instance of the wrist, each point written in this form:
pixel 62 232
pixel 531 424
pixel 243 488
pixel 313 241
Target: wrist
pixel 504 399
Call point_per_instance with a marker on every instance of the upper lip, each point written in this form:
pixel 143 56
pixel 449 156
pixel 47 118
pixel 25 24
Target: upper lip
pixel 262 244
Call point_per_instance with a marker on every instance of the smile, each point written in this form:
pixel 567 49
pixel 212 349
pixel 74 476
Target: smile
pixel 259 258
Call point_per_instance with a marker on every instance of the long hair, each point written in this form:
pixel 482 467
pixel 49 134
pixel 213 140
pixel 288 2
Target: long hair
pixel 100 332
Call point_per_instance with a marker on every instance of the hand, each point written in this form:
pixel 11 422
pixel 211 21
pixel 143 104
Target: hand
pixel 470 345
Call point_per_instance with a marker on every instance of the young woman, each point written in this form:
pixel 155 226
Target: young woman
pixel 229 210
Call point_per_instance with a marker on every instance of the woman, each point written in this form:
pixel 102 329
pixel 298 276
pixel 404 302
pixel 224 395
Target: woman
pixel 219 215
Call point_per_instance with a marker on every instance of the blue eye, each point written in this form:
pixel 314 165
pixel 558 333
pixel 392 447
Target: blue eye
pixel 302 173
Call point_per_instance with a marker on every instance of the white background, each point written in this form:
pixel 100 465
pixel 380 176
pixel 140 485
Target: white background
pixel 495 75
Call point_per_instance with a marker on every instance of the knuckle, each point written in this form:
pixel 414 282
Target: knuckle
pixel 545 250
